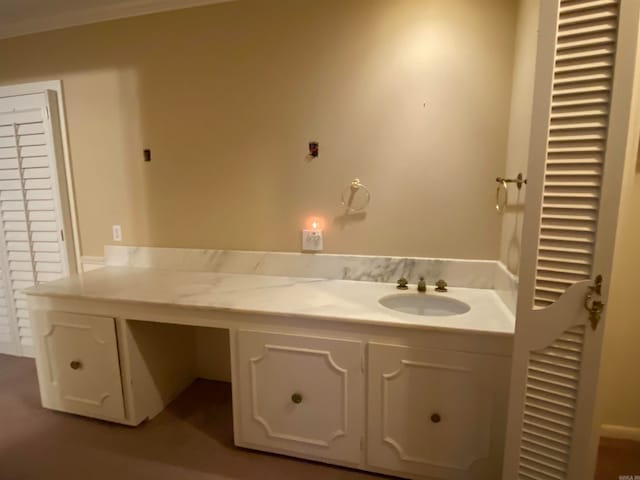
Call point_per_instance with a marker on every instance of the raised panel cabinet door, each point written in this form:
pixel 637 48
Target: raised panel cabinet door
pixel 300 395
pixel 436 414
pixel 78 365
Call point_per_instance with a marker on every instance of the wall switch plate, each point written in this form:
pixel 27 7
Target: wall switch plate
pixel 311 240
pixel 117 233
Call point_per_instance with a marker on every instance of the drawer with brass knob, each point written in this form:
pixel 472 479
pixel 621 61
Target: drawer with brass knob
pixel 78 365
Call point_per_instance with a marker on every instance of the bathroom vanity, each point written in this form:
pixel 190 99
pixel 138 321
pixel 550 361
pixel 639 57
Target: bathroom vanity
pixel 319 368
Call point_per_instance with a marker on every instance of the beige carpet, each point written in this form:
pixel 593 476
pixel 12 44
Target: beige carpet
pixel 190 440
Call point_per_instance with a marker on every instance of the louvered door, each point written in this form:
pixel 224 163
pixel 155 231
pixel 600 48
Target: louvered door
pixel 31 223
pixel 584 79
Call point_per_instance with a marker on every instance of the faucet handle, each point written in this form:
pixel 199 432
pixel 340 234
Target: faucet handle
pixel 441 286
pixel 402 284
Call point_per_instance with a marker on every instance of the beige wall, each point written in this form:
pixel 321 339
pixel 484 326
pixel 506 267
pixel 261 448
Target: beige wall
pixel 619 389
pixel 620 383
pixel 410 96
pixel 519 130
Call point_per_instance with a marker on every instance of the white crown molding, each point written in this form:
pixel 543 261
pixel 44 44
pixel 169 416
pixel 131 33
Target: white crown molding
pixel 132 8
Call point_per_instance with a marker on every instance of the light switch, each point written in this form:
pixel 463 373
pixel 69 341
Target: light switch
pixel 311 240
pixel 117 233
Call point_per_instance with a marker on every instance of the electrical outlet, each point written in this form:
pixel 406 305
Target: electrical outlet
pixel 117 233
pixel 311 240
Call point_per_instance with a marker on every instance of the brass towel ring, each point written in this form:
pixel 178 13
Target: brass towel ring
pixel 500 206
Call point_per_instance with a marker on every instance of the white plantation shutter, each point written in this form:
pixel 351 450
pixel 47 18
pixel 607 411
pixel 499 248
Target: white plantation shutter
pixel 584 79
pixel 580 101
pixel 577 134
pixel 31 225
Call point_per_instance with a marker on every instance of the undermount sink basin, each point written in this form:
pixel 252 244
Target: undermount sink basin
pixel 424 304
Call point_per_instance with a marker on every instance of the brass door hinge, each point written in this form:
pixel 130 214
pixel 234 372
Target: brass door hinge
pixel 593 302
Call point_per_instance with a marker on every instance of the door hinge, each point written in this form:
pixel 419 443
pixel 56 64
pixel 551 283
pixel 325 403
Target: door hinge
pixel 593 302
pixel 62 234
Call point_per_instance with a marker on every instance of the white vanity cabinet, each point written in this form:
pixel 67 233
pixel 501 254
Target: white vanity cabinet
pixel 435 413
pixel 301 395
pixel 424 404
pixel 78 364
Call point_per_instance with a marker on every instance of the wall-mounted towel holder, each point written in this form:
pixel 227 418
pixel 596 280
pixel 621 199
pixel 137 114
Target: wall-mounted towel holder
pixel 502 186
pixel 519 180
pixel 351 199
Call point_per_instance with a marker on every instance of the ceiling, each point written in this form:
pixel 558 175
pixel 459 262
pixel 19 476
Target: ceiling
pixel 21 17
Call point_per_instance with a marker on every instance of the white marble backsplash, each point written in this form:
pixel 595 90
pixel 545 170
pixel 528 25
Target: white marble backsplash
pixel 457 273
pixel 506 286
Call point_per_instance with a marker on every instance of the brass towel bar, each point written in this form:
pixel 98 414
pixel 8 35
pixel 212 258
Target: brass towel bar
pixel 502 185
pixel 519 180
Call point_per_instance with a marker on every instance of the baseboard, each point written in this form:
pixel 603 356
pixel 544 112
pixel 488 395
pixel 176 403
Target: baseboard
pixel 8 349
pixel 620 432
pixel 17 351
pixel 28 351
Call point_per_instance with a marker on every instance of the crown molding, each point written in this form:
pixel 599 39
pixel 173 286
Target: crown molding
pixel 132 8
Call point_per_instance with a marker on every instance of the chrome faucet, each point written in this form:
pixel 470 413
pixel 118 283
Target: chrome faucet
pixel 422 285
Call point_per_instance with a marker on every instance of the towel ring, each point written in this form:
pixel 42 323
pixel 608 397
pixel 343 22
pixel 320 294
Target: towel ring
pixel 349 195
pixel 500 206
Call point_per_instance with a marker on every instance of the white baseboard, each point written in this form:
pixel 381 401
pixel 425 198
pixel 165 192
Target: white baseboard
pixel 17 351
pixel 28 351
pixel 620 432
pixel 8 349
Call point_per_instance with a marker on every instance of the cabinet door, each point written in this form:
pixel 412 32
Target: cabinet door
pixel 300 395
pixel 78 367
pixel 435 413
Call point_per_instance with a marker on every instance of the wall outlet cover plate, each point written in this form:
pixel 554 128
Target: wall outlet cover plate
pixel 311 241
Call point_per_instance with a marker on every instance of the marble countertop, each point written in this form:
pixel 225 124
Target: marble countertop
pixel 342 300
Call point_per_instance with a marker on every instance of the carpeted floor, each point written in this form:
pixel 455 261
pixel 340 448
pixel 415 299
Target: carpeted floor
pixel 190 440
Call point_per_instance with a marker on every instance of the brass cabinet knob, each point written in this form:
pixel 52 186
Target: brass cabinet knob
pixel 75 365
pixel 435 418
pixel 296 398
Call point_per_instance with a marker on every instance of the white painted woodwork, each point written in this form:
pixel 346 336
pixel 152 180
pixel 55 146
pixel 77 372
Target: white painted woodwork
pixel 328 423
pixel 407 386
pixel 158 358
pixel 580 101
pixel 584 74
pixel 32 195
pixel 94 387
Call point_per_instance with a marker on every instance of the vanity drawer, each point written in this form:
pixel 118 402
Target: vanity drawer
pixel 438 414
pixel 78 365
pixel 300 395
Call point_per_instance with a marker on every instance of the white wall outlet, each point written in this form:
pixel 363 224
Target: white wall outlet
pixel 311 240
pixel 117 233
